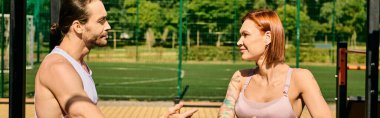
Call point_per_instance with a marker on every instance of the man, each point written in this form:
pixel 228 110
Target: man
pixel 63 84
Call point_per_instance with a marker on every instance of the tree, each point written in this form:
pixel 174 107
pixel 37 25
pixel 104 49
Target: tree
pixel 209 17
pixel 156 15
pixel 350 18
pixel 308 27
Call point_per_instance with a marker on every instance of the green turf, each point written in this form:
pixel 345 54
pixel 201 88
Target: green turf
pixel 206 81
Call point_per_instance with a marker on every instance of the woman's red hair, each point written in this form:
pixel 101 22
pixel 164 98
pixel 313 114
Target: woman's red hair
pixel 267 20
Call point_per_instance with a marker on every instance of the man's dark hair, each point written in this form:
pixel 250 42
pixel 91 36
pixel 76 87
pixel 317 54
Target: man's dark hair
pixel 70 11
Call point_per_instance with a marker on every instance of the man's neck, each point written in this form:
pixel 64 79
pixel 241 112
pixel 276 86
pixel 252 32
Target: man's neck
pixel 75 47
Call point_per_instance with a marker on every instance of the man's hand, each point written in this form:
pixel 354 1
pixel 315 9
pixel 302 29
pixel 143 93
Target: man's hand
pixel 171 113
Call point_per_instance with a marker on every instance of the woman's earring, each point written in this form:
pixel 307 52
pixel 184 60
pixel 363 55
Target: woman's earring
pixel 267 40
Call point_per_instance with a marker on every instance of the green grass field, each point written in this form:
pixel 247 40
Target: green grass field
pixel 137 81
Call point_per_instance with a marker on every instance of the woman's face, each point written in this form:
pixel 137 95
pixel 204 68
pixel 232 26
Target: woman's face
pixel 252 42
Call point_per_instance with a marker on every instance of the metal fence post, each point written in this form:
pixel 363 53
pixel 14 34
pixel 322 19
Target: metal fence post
pixel 180 49
pixel 372 59
pixel 298 35
pixel 341 80
pixel 17 60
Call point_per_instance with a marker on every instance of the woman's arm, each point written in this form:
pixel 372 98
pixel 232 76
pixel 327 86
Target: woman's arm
pixel 312 95
pixel 171 113
pixel 228 106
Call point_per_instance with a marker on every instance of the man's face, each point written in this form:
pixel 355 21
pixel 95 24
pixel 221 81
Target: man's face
pixel 96 28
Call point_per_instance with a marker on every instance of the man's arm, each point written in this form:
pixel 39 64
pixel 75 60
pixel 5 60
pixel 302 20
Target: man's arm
pixel 228 106
pixel 66 85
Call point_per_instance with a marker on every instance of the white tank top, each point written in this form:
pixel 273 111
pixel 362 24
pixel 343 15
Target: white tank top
pixel 88 82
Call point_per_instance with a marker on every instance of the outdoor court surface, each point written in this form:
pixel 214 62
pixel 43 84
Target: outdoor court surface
pixel 138 109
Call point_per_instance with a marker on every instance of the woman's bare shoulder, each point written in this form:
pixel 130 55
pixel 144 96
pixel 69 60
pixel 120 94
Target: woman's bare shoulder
pixel 244 72
pixel 303 78
pixel 241 75
pixel 300 73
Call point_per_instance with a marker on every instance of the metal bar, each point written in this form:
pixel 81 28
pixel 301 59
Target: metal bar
pixel 37 24
pixel 333 29
pixel 357 51
pixel 358 67
pixel 341 81
pixel 351 67
pixel 2 49
pixel 372 59
pixel 185 8
pixel 17 59
pixel 179 49
pixel 184 92
pixel 235 32
pixel 298 34
pixel 333 24
pixel 137 30
pixel 340 107
pixel 285 19
pixel 114 39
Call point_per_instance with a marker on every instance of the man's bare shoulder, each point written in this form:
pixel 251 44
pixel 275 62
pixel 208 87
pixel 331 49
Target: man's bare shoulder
pixel 55 67
pixel 53 59
pixel 58 77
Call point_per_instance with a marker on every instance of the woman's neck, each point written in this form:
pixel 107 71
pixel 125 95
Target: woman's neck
pixel 267 70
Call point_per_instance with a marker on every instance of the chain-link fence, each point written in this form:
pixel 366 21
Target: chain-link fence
pixel 149 31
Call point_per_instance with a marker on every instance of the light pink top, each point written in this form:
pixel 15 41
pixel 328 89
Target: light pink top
pixel 279 108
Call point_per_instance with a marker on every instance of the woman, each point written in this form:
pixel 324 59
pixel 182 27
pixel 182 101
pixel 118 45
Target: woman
pixel 272 89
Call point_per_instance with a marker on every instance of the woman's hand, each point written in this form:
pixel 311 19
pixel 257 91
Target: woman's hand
pixel 173 112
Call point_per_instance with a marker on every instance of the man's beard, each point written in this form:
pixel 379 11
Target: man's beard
pixel 101 43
